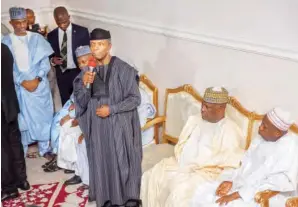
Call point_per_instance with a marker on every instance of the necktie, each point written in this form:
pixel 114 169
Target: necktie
pixel 63 52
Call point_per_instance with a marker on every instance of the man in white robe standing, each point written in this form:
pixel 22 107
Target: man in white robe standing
pixel 208 144
pixel 271 163
pixel 31 54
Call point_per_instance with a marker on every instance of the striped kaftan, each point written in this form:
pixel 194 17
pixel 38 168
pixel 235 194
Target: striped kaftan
pixel 114 143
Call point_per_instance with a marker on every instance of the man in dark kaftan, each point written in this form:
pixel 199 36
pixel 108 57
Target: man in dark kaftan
pixel 108 117
pixel 13 166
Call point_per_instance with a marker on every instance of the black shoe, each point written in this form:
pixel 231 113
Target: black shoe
pixel 24 185
pixel 7 196
pixel 47 164
pixel 73 181
pixel 69 171
pixel 53 167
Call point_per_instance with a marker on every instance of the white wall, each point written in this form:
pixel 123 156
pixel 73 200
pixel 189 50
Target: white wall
pixel 250 47
pixel 41 8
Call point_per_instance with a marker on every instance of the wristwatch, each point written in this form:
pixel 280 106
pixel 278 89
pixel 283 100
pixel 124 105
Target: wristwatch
pixel 39 78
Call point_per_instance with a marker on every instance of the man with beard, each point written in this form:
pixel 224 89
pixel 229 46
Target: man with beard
pixel 109 119
pixel 31 65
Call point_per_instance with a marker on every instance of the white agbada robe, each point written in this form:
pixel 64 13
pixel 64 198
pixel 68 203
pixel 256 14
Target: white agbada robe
pixel 265 166
pixel 201 147
pixel 72 155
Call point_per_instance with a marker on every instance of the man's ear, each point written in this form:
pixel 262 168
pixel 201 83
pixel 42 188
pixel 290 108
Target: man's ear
pixel 278 133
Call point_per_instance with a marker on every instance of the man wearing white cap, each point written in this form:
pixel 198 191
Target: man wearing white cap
pixel 208 144
pixel 31 66
pixel 67 138
pixel 271 163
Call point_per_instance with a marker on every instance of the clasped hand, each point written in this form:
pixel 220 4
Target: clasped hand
pixel 103 111
pixel 222 191
pixel 30 85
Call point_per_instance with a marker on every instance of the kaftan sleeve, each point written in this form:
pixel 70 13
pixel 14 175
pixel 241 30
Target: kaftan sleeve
pixel 44 68
pixel 281 177
pixel 130 90
pixel 82 95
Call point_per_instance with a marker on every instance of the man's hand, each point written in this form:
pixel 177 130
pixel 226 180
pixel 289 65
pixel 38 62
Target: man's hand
pixel 224 188
pixel 74 123
pixel 64 119
pixel 81 137
pixel 30 85
pixel 103 111
pixel 88 77
pixel 228 198
pixel 57 60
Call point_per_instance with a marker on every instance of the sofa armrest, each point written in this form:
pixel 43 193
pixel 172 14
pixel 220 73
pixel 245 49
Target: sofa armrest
pixel 292 202
pixel 152 122
pixel 263 197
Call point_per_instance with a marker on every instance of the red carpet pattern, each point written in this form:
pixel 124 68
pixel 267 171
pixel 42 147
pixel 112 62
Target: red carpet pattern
pixel 39 195
pixel 50 195
pixel 70 196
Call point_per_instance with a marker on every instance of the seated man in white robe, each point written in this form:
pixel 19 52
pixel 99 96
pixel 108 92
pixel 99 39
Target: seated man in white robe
pixel 208 143
pixel 271 163
pixel 146 111
pixel 72 152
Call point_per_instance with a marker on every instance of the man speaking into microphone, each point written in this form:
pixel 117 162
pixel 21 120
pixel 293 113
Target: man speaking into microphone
pixel 108 117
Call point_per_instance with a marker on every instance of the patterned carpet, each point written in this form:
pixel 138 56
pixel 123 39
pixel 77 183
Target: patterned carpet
pixel 47 189
pixel 49 195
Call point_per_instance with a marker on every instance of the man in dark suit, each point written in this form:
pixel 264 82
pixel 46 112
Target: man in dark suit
pixel 13 166
pixel 64 41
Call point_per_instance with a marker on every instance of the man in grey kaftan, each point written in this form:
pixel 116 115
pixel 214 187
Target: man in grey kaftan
pixel 108 117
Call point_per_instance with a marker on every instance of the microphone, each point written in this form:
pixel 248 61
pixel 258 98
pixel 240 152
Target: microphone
pixel 91 65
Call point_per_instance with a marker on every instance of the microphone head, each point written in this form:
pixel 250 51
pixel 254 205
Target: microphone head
pixel 92 62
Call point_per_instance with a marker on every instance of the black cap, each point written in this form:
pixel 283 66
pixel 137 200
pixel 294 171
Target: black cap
pixel 100 34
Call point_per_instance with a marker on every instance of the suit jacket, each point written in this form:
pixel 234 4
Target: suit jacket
pixel 9 101
pixel 80 37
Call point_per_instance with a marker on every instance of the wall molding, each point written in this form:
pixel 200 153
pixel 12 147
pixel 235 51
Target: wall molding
pixel 247 47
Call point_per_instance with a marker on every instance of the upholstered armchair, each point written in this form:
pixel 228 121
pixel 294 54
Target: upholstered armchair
pixel 292 202
pixel 263 197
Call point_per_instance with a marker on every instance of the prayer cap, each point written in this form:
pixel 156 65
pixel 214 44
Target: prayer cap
pixel 216 95
pixel 100 34
pixel 17 13
pixel 82 50
pixel 280 118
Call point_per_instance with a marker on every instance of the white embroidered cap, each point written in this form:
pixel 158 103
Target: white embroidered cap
pixel 280 118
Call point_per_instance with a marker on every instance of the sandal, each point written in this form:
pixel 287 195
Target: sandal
pixel 47 164
pixel 52 168
pixel 83 187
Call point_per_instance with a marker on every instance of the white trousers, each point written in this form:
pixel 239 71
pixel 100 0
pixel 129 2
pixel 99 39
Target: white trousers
pixel 71 154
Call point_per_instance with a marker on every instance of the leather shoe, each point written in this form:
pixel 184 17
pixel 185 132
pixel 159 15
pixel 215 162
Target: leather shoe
pixel 7 196
pixel 73 181
pixel 69 171
pixel 24 185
